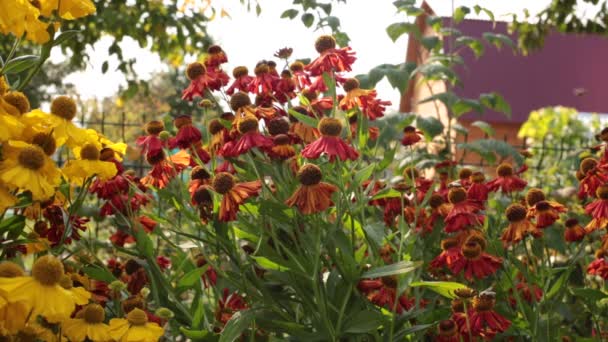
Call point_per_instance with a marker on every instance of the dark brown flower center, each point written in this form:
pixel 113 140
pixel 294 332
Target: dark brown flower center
pixel 195 70
pixel 46 142
pixel 239 100
pixel 182 121
pixel 296 66
pixel 588 164
pixel 286 74
pixel 31 157
pixel 137 317
pixel 475 236
pixel 106 154
pixel 448 243
pixel 504 170
pixel 240 71
pixel 471 250
pixel 516 212
pixel 278 126
pixel 571 222
pixel 351 84
pixel 131 303
pixel 281 139
pixel 248 124
pixel 543 206
pixel 465 173
pixel 261 69
pixel 155 158
pixel 436 200
pixel 202 195
pixel 18 100
pixel 325 43
pixel 89 152
pixel 534 196
pixel 94 313
pixel 478 177
pixel 409 130
pixel 457 305
pixel 465 293
pixel 330 127
pixel 223 182
pixel 10 270
pixel 602 192
pixel 310 94
pixel 64 107
pixel 483 303
pixel 155 127
pixel 132 266
pixel 448 328
pixel 215 126
pixel 214 49
pixel 309 174
pixel 199 172
pixel 457 195
pixel 604 135
pixel 66 282
pixel 47 270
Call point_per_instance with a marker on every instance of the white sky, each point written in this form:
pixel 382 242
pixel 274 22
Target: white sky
pixel 247 38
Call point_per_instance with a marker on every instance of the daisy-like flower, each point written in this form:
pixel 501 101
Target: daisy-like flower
pixel 219 136
pixel 151 144
pixel 300 76
pixel 413 179
pixel 599 266
pixel 507 180
pixel 264 81
pixel 450 255
pixel 440 208
pixel 13 315
pixel 63 111
pixel 228 305
pixel 285 87
pixel 464 177
pixel 519 225
pixel 198 176
pixel 282 148
pixel 476 263
pixel 88 166
pixel 598 209
pixel 484 321
pixel 531 293
pixel 545 212
pixel 383 292
pixel 303 131
pixel 88 325
pixel 447 331
pixel 330 142
pixel 477 191
pixel 67 9
pixel 187 134
pixel 215 56
pixel 574 231
pixel 200 80
pixel 165 169
pixel 592 176
pixel 233 194
pixel 43 291
pixel 330 58
pixel 241 80
pixel 318 106
pixel 27 167
pixel 10 126
pixel 363 99
pixel 250 138
pixel 135 328
pixel 312 195
pixel 411 136
pixel 464 213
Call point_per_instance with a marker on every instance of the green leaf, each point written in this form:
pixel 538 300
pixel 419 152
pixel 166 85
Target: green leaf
pixel 99 273
pixel 195 335
pixel 21 63
pixel 290 13
pixel 460 13
pixel 326 8
pixel 489 13
pixel 308 19
pixel 463 106
pixel 401 267
pixel 558 285
pixel 498 40
pixel 193 277
pixel 488 149
pixel 104 67
pixel 410 330
pixel 363 322
pixel 305 119
pixel 13 224
pixel 144 243
pixel 485 127
pixel 386 193
pixel 236 325
pixel 475 45
pixel 396 30
pixel 64 36
pixel 590 296
pixel 495 102
pixel 268 264
pixel 430 42
pixel 430 126
pixel 364 174
pixel 444 288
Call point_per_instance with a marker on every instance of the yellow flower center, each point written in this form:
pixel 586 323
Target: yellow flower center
pixel 31 157
pixel 94 313
pixel 309 174
pixel 534 196
pixel 10 270
pixel 457 195
pixel 223 182
pixel 155 127
pixel 46 142
pixel 137 317
pixel 516 212
pixel 64 107
pixel 89 152
pixel 18 100
pixel 239 100
pixel 330 127
pixel 325 43
pixel 195 70
pixel 47 270
pixel 504 170
pixel 248 124
pixel 351 84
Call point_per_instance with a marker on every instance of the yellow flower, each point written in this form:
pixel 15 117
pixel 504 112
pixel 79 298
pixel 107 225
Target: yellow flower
pixel 10 126
pixel 7 199
pixel 89 165
pixel 88 325
pixel 68 9
pixel 36 244
pixel 135 328
pixel 43 291
pixel 19 17
pixel 26 167
pixel 12 315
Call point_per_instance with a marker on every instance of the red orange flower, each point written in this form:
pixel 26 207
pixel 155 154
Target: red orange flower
pixel 574 231
pixel 593 176
pixel 478 191
pixel 241 80
pixel 484 321
pixel 250 138
pixel 383 292
pixel 330 142
pixel 228 305
pixel 507 180
pixel 519 226
pixel 363 99
pixel 151 144
pixel 165 169
pixel 330 59
pixel 312 195
pixel 476 263
pixel 598 209
pixel 599 266
pixel 233 194
pixel 301 78
pixel 264 81
pixel 200 80
pixel 411 136
pixel 464 213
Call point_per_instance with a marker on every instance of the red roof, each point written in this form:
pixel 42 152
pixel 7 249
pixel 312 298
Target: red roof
pixel 557 74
